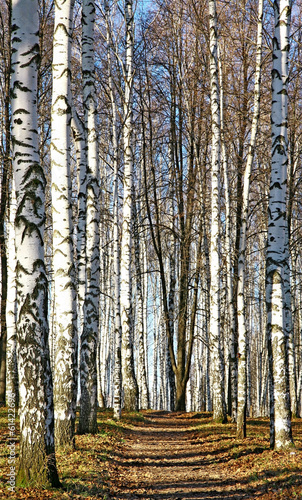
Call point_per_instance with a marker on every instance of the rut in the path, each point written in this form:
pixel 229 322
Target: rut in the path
pixel 162 460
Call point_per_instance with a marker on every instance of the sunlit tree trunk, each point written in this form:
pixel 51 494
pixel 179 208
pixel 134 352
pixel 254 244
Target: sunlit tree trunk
pixel 63 258
pixel 291 278
pixel 11 303
pixel 241 299
pixel 5 170
pixel 233 365
pixel 129 380
pixel 217 368
pixel 80 147
pixel 277 247
pixel 172 313
pixel 142 382
pixel 156 323
pixel 117 284
pixel 37 465
pixel 89 335
pixel 117 376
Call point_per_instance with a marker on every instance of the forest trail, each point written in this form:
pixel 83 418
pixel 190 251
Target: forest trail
pixel 164 458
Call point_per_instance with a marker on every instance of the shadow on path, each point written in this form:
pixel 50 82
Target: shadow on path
pixel 162 459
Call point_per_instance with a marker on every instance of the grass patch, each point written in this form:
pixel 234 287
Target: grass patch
pixel 83 472
pixel 264 473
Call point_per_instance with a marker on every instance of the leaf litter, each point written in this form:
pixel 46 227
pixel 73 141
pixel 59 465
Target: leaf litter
pixel 155 455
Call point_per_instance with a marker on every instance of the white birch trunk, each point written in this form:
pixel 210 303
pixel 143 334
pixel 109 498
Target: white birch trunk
pixel 80 146
pixel 142 382
pixel 233 365
pixel 37 465
pixel 129 380
pixel 171 375
pixel 11 302
pixel 277 251
pixel 215 334
pixel 117 283
pixel 241 313
pixel 156 322
pixel 63 257
pixel 291 338
pixel 89 335
pixel 117 405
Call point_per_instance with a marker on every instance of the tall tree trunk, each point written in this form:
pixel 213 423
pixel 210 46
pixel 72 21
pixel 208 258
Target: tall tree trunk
pixel 277 247
pixel 3 208
pixel 88 367
pixel 241 299
pixel 142 383
pixel 129 380
pixel 11 303
pixel 37 465
pixel 65 379
pixel 172 315
pixel 81 154
pixel 215 334
pixel 233 365
pixel 117 405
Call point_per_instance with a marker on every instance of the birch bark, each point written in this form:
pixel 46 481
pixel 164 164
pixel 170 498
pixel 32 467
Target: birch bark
pixel 277 252
pixel 5 170
pixel 88 367
pixel 218 385
pixel 80 147
pixel 37 465
pixel 63 264
pixel 241 313
pixel 142 382
pixel 233 365
pixel 116 231
pixel 129 380
pixel 11 303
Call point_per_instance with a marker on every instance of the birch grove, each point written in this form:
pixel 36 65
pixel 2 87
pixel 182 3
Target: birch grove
pixel 151 222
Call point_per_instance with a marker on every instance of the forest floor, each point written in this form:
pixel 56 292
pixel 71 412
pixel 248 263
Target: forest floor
pixel 157 455
pixel 185 456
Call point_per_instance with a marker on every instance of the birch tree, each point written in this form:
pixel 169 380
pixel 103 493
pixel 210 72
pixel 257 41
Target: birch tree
pixel 218 389
pixel 129 380
pixel 241 299
pixel 88 367
pixel 37 465
pixel 63 261
pixel 233 365
pixel 142 383
pixel 5 57
pixel 116 231
pixel 277 261
pixel 79 138
pixel 11 303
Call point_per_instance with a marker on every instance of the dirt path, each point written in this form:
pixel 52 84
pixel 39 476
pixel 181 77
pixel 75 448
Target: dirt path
pixel 161 460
